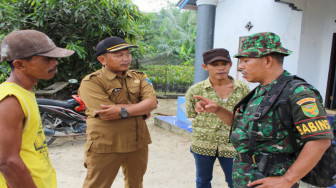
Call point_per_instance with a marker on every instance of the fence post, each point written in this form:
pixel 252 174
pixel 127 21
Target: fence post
pixel 137 64
pixel 166 63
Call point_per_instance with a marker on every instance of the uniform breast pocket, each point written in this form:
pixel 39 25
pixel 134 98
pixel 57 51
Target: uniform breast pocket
pixel 135 93
pixel 115 95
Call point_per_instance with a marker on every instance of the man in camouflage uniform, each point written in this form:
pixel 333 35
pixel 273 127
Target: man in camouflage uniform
pixel 261 60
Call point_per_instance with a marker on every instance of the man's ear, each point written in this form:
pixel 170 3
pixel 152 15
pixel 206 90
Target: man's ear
pixel 204 66
pixel 268 61
pixel 101 59
pixel 19 64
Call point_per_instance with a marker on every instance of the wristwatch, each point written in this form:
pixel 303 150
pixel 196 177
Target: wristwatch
pixel 123 114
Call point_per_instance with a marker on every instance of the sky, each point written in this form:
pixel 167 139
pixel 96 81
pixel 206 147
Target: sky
pixel 152 5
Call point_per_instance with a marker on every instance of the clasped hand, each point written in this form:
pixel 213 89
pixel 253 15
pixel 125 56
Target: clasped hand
pixel 111 112
pixel 108 112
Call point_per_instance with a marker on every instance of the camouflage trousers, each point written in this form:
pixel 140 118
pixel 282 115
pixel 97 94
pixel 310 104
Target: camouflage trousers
pixel 244 173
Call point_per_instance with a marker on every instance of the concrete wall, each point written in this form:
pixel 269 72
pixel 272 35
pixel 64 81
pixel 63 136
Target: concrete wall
pixel 318 26
pixel 265 15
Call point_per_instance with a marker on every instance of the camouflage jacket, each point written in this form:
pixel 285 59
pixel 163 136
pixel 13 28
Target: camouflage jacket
pixel 310 123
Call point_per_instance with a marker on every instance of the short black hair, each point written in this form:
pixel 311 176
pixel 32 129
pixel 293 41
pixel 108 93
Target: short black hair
pixel 10 63
pixel 28 58
pixel 277 56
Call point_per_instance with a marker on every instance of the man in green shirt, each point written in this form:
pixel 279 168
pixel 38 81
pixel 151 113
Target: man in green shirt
pixel 210 139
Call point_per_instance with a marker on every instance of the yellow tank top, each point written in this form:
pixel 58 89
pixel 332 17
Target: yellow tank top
pixel 34 151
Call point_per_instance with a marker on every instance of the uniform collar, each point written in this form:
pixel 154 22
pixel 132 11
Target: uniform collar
pixel 263 88
pixel 110 75
pixel 286 73
pixel 129 73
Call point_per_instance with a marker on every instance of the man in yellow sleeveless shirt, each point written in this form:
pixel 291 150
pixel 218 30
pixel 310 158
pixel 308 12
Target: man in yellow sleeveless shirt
pixel 24 159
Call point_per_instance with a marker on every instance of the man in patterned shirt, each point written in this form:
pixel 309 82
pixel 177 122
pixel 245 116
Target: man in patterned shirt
pixel 261 59
pixel 210 139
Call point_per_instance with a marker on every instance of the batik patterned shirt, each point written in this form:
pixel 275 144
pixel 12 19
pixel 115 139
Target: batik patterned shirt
pixel 209 132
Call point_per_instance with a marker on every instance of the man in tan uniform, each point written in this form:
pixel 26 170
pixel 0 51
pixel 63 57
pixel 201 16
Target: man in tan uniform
pixel 118 101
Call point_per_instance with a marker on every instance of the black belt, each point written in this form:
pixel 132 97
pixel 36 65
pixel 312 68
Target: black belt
pixel 273 158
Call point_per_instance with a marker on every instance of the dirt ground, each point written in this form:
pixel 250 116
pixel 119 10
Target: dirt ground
pixel 170 164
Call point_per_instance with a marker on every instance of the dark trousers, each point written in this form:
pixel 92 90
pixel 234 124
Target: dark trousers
pixel 204 169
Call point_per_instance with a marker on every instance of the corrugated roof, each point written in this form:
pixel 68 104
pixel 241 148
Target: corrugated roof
pixel 187 4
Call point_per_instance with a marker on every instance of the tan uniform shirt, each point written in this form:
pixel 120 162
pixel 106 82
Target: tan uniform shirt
pixel 122 135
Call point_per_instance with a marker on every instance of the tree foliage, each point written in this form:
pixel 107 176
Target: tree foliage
pixel 75 24
pixel 171 35
pixel 80 24
pixel 173 32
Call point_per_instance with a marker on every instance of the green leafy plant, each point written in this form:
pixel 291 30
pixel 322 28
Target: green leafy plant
pixel 171 32
pixel 173 77
pixel 5 71
pixel 75 24
pixel 80 24
pixel 4 67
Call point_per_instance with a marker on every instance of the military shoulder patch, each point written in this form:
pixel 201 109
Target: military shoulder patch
pixel 300 102
pixel 310 110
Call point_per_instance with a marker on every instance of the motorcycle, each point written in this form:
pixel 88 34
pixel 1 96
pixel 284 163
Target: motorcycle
pixel 62 118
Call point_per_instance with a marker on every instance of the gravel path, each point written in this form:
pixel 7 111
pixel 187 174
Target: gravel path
pixel 170 165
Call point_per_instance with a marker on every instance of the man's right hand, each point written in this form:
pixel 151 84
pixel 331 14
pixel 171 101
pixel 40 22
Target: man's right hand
pixel 205 105
pixel 271 182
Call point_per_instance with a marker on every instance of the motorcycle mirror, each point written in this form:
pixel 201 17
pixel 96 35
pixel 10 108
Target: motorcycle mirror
pixel 73 81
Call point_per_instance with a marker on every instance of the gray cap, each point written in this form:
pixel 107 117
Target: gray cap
pixel 21 44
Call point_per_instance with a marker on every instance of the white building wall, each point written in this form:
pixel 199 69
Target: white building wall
pixel 318 26
pixel 265 15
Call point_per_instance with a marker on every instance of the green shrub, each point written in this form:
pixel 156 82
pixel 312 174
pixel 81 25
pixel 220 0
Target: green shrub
pixel 4 67
pixel 5 71
pixel 173 77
